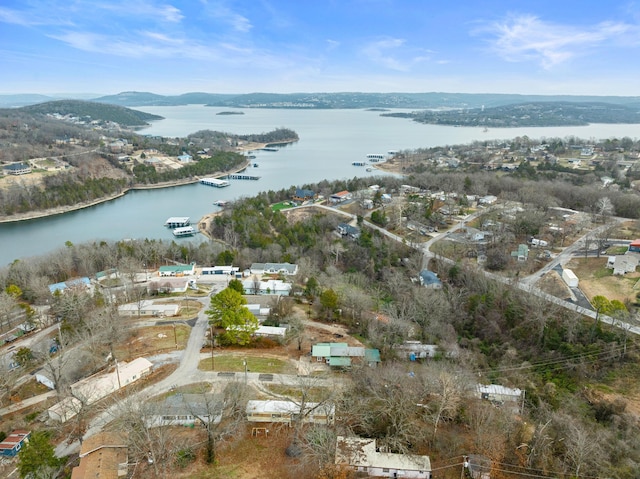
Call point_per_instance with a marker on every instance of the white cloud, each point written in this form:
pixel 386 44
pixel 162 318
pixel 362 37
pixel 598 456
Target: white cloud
pixel 379 52
pixel 29 18
pixel 528 38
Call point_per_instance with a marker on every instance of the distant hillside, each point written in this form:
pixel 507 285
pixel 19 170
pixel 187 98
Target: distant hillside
pixel 93 110
pixel 431 100
pixel 560 113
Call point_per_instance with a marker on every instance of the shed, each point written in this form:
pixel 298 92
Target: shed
pixel 570 278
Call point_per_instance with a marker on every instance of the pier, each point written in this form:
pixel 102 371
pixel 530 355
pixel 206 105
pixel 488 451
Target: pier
pixel 242 176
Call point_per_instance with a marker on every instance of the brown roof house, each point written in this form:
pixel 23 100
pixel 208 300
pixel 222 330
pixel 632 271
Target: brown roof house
pixel 104 456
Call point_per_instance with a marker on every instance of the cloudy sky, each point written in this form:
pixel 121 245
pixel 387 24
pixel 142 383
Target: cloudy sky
pixel 586 47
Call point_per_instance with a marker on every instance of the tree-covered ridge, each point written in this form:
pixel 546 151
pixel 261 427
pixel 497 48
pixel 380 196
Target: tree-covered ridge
pixel 528 114
pixel 218 163
pixel 324 100
pixel 221 139
pixel 93 111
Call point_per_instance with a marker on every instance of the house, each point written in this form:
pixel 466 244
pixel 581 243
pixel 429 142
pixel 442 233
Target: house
pixel 83 283
pixel 413 350
pixel 171 285
pixel 228 270
pixel 272 286
pixel 177 270
pixel 301 195
pixel 487 200
pixel 475 235
pixel 501 396
pixel 288 411
pixel 621 264
pixel 187 410
pixel 286 269
pixel 349 231
pixel 89 390
pixel 148 308
pixel 367 204
pixel 185 158
pixel 104 455
pixel 11 445
pixel 522 253
pixel 365 457
pixel 340 196
pixel 274 332
pixel 17 169
pixel 634 246
pixel 341 354
pixel 429 279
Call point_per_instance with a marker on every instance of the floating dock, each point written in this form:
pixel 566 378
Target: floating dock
pixel 241 176
pixel 359 163
pixel 185 231
pixel 177 222
pixel 214 182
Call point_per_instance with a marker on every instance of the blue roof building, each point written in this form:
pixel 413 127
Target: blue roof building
pixel 429 279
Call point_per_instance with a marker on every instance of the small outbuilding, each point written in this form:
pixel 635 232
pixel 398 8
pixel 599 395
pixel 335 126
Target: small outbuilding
pixel 13 443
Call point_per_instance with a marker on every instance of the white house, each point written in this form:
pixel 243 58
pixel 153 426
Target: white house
pixel 275 332
pixel 413 350
pixel 148 308
pixel 273 286
pixel 286 269
pixel 287 411
pixel 187 410
pixel 622 264
pixel 366 458
pixel 94 388
pixel 171 285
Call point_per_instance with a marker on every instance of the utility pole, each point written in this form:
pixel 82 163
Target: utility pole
pixel 244 361
pixel 212 345
pixel 175 335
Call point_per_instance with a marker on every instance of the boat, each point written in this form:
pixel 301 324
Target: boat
pixel 369 169
pixel 220 203
pixel 255 165
pixel 177 222
pixel 185 231
pixel 359 163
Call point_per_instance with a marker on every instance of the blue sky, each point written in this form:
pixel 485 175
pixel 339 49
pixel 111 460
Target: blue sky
pixel 587 47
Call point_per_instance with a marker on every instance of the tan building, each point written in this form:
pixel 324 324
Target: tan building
pixel 103 455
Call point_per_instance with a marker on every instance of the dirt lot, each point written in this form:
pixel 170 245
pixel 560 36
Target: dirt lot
pixel 153 340
pixel 596 279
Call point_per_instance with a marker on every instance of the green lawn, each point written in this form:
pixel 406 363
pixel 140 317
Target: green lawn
pixel 255 364
pixel 283 205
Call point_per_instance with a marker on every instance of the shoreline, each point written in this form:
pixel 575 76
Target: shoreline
pixel 33 215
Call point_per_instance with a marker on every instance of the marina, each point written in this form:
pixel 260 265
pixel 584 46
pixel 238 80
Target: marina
pixel 375 157
pixel 184 231
pixel 214 182
pixel 242 176
pixel 177 222
pixel 359 163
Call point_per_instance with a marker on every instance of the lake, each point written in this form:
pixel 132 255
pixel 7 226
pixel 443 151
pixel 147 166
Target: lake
pixel 330 140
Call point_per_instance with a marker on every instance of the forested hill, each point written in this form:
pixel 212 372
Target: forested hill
pixel 93 111
pixel 528 114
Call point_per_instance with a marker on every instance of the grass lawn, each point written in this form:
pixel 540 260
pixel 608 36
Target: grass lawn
pixel 596 279
pixel 283 205
pixel 255 364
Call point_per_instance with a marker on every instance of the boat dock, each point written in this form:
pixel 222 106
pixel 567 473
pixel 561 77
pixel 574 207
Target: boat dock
pixel 242 176
pixel 177 222
pixel 359 163
pixel 185 231
pixel 214 182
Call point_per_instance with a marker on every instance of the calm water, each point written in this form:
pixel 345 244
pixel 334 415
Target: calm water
pixel 330 140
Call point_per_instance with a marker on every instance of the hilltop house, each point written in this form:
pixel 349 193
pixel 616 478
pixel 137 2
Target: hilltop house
pixel 352 232
pixel 340 196
pixel 429 279
pixel 177 270
pixel 83 283
pixel 366 457
pixel 301 195
pixel 17 169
